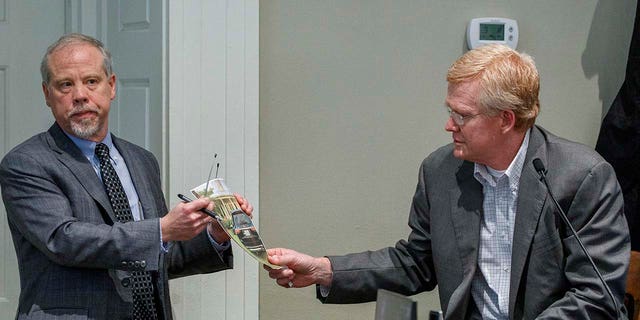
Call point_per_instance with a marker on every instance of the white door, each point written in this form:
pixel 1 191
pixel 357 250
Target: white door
pixel 133 32
pixel 27 27
pixel 213 108
pixel 135 39
pixel 211 87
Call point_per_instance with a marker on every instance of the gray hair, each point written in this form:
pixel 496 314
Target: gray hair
pixel 70 39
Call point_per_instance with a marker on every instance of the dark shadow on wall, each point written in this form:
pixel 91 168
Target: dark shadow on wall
pixel 619 136
pixel 604 46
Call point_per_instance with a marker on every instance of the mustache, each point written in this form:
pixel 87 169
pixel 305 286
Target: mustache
pixel 81 109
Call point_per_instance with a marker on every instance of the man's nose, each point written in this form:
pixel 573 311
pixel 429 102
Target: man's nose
pixel 80 94
pixel 450 125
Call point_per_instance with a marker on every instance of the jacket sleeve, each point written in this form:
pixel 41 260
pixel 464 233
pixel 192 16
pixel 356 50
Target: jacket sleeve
pixel 406 268
pixel 48 207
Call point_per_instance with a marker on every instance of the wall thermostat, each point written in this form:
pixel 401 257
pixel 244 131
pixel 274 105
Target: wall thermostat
pixel 481 31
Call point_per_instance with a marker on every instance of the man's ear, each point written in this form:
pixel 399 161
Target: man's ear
pixel 112 83
pixel 508 120
pixel 46 92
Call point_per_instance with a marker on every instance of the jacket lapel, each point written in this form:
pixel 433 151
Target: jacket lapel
pixel 139 172
pixel 71 157
pixel 466 213
pixel 531 198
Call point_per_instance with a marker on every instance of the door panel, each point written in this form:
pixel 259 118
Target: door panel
pixel 213 108
pixel 27 27
pixel 135 39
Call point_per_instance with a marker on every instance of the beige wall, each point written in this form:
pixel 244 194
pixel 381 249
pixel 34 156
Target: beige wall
pixel 351 99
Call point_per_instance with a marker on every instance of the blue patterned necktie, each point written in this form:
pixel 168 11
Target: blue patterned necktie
pixel 143 296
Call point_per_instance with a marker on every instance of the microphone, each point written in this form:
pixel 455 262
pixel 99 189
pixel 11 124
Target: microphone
pixel 539 166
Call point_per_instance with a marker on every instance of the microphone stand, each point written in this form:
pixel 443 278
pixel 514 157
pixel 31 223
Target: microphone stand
pixel 539 166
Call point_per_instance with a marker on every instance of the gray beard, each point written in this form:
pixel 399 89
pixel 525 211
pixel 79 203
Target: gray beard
pixel 85 129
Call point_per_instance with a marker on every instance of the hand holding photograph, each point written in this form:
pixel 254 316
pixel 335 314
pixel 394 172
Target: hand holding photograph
pixel 233 220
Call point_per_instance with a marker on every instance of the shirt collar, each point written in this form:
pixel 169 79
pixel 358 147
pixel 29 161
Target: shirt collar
pixel 482 174
pixel 88 147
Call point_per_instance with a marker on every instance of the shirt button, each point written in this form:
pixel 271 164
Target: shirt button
pixel 125 282
pixel 143 264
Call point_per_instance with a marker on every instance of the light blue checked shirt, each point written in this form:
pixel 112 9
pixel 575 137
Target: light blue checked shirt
pixel 490 285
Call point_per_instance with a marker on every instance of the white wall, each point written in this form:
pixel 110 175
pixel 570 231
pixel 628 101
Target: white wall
pixel 212 106
pixel 351 102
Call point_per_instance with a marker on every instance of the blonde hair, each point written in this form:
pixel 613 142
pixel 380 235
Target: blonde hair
pixel 508 80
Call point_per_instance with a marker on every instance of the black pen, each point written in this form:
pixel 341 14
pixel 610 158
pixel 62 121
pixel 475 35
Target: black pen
pixel 204 210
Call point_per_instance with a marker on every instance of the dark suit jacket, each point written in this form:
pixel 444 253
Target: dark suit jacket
pixel 550 275
pixel 74 258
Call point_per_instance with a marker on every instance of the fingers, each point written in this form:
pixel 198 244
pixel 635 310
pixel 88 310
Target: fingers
pixel 211 206
pixel 287 278
pixel 195 220
pixel 194 206
pixel 244 205
pixel 278 251
pixel 286 283
pixel 284 277
pixel 193 209
pixel 281 256
pixel 300 270
pixel 185 221
pixel 197 204
pixel 283 273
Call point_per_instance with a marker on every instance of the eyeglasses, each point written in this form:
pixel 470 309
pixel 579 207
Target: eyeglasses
pixel 459 119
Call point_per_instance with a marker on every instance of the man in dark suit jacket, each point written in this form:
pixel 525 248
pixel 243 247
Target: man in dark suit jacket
pixel 483 227
pixel 74 255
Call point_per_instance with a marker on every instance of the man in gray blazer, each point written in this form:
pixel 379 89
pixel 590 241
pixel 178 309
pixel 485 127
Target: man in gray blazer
pixel 483 227
pixel 76 256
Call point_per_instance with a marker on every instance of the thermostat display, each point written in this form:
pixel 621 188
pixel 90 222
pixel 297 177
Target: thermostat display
pixel 483 31
pixel 491 31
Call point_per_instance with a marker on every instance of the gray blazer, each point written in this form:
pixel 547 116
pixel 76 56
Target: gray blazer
pixel 74 258
pixel 550 276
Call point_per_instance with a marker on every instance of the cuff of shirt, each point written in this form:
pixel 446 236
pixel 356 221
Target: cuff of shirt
pixel 164 246
pixel 220 247
pixel 324 291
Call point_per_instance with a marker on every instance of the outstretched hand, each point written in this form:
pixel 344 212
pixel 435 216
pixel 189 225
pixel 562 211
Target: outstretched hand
pixel 301 270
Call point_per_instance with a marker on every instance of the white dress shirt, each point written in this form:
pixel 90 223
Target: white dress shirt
pixel 491 282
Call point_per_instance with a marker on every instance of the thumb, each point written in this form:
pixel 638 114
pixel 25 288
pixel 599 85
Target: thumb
pixel 280 257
